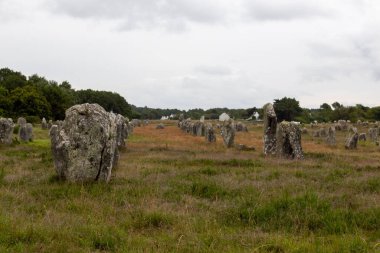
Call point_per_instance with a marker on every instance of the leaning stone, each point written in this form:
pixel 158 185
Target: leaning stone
pixel 44 124
pixel 330 139
pixel 84 147
pixel 352 141
pixel 6 131
pixel 26 132
pixel 270 125
pixel 210 133
pixel 160 126
pixel 228 133
pixel 288 137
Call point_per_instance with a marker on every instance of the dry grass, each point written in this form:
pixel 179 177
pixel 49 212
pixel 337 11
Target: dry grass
pixel 173 192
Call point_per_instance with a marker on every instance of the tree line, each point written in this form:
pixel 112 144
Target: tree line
pixel 36 97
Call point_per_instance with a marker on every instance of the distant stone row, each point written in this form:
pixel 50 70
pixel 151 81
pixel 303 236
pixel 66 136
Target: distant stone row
pixel 200 128
pixel 25 131
pixel 353 135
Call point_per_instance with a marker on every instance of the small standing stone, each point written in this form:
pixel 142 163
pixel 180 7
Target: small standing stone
pixel 362 137
pixel 228 133
pixel 6 130
pixel 288 137
pixel 160 126
pixel 26 132
pixel 21 121
pixel 210 133
pixel 330 139
pixel 352 141
pixel 44 124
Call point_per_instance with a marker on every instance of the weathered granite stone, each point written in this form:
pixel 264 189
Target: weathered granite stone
pixel 136 122
pixel 331 139
pixel 84 147
pixel 200 128
pixel 373 134
pixel 228 133
pixel 240 127
pixel 160 126
pixel 26 132
pixel 352 141
pixel 288 137
pixel 50 123
pixel 362 137
pixel 6 131
pixel 21 121
pixel 44 124
pixel 270 125
pixel 210 133
pixel 305 131
pixel 202 119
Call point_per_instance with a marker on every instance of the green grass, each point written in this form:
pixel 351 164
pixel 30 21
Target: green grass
pixel 193 197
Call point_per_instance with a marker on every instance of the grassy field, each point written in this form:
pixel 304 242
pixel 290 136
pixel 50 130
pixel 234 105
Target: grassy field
pixel 172 192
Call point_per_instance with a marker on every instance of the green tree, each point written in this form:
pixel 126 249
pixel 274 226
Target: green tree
pixel 29 101
pixel 11 80
pixel 287 109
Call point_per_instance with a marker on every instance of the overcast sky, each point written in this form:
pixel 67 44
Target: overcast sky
pixel 200 53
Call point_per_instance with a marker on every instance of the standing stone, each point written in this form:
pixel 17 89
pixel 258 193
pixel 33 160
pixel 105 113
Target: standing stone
pixel 202 119
pixel 270 125
pixel 362 137
pixel 224 117
pixel 120 130
pixel 181 119
pixel 210 133
pixel 44 124
pixel 373 134
pixel 6 131
pixel 288 137
pixel 160 126
pixel 352 141
pixel 136 123
pixel 21 121
pixel 26 132
pixel 228 133
pixel 200 129
pixel 50 123
pixel 330 139
pixel 240 127
pixel 84 147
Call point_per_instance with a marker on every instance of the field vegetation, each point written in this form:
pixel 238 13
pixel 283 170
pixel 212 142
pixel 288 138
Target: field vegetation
pixel 172 192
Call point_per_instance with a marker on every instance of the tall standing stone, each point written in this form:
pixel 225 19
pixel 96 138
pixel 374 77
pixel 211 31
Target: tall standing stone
pixel 84 147
pixel 288 137
pixel 331 139
pixel 228 133
pixel 6 131
pixel 270 125
pixel 200 128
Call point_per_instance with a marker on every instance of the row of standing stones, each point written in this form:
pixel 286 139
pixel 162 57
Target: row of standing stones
pixel 201 128
pixel 85 146
pixel 25 131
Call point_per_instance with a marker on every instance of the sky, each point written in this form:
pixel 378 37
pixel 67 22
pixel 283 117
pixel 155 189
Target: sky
pixel 200 53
